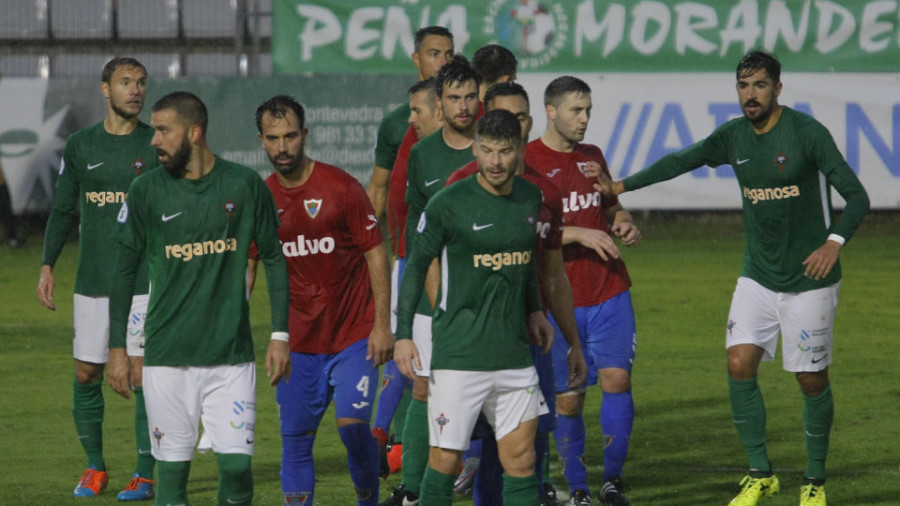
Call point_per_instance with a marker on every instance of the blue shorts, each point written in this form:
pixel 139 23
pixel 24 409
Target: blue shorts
pixel 316 379
pixel 543 362
pixel 608 339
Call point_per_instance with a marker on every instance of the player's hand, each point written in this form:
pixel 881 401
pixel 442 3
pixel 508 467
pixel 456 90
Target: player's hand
pixel 596 240
pixel 607 187
pixel 628 232
pixel 118 372
pixel 540 330
pixel 407 357
pixel 592 169
pixel 381 345
pixel 577 367
pixel 46 283
pixel 278 361
pixel 820 262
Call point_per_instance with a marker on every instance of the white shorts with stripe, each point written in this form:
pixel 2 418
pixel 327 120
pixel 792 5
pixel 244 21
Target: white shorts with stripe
pixel 421 331
pixel 91 323
pixel 805 321
pixel 455 398
pixel 223 397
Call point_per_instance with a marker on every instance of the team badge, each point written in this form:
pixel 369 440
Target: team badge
pixel 442 421
pixel 137 165
pixel 731 324
pixel 158 435
pixel 781 159
pixel 312 206
pixel 582 166
pixel 229 207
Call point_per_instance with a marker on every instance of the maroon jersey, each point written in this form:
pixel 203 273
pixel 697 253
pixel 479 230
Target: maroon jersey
pixel 397 208
pixel 326 225
pixel 593 279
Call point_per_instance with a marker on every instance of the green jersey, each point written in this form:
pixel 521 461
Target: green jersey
pixel 431 161
pixel 785 177
pixel 391 130
pixel 196 235
pixel 96 170
pixel 488 283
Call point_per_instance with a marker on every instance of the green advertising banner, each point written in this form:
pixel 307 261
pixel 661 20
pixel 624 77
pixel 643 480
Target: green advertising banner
pixel 376 36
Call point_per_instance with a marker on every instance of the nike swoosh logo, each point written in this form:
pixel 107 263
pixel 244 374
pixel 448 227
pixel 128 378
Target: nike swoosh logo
pixel 171 217
pixel 817 360
pixel 94 166
pixel 429 183
pixel 741 162
pixel 410 503
pixel 475 226
pixel 144 452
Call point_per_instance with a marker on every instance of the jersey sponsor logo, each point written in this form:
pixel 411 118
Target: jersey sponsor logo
pixel 778 193
pixel 497 261
pixel 303 246
pixel 166 218
pixel 575 202
pixel 312 206
pixel 103 198
pixel 476 227
pixel 187 252
pixel 94 165
pixel 543 228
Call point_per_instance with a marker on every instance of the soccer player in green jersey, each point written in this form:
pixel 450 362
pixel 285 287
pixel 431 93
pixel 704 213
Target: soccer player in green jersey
pixel 483 229
pixel 98 165
pixel 786 164
pixel 194 223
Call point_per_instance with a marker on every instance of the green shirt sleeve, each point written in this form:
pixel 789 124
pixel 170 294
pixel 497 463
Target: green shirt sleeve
pixel 131 239
pixel 269 248
pixel 710 151
pixel 429 241
pixel 65 199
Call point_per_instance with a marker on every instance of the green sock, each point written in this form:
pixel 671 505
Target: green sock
pixel 818 414
pixel 546 466
pixel 235 479
pixel 399 420
pixel 520 491
pixel 415 445
pixel 145 460
pixel 749 413
pixel 171 482
pixel 437 487
pixel 87 410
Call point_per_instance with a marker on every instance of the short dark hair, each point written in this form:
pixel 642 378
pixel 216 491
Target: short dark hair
pixel 119 61
pixel 278 107
pixel 562 86
pixel 189 107
pixel 499 125
pixel 421 33
pixel 454 72
pixel 493 62
pixel 757 59
pixel 508 89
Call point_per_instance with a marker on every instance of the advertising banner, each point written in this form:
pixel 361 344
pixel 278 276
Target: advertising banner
pixel 376 36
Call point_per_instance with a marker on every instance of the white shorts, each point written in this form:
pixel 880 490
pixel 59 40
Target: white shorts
pixel 91 323
pixel 421 331
pixel 805 321
pixel 178 398
pixel 395 291
pixel 455 398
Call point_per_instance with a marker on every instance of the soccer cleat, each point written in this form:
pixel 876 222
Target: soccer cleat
pixel 140 489
pixel 812 495
pixel 401 497
pixel 580 498
pixel 466 479
pixel 92 483
pixel 549 498
pixel 612 492
pixel 755 489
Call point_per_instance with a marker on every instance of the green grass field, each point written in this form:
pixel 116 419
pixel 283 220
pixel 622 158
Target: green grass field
pixel 684 450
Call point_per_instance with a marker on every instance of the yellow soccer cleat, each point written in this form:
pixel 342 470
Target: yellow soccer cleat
pixel 812 495
pixel 755 489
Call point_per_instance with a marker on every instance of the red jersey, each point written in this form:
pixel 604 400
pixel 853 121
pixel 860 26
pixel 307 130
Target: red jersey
pixel 397 208
pixel 326 225
pixel 593 279
pixel 550 220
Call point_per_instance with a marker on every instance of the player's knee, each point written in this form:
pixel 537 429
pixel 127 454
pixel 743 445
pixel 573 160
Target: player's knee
pixel 87 372
pixel 813 383
pixel 420 389
pixel 569 404
pixel 614 380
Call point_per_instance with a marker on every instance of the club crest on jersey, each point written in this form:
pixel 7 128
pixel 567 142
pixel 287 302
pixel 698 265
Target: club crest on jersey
pixel 312 206
pixel 442 421
pixel 582 166
pixel 137 165
pixel 229 207
pixel 781 159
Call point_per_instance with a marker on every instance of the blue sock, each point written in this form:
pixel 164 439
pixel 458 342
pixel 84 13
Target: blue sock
pixel 569 437
pixel 363 461
pixel 393 383
pixel 474 450
pixel 488 487
pixel 298 473
pixel 541 449
pixel 616 418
